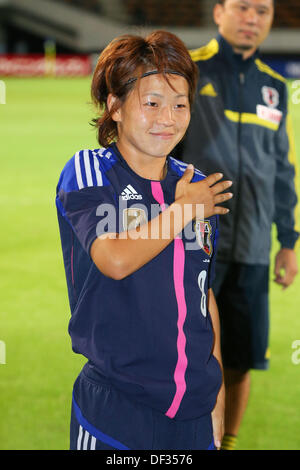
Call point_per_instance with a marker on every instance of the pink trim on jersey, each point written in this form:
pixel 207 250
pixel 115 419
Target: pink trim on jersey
pixel 179 375
pixel 158 194
pixel 178 274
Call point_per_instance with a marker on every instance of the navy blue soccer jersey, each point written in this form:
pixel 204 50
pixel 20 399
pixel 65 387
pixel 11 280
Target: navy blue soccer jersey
pixel 150 334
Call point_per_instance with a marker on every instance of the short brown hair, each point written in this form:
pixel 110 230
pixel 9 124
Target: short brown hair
pixel 223 1
pixel 128 57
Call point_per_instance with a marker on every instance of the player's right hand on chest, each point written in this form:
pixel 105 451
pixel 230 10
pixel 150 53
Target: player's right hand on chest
pixel 204 195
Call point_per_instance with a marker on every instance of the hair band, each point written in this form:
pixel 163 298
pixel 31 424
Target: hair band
pixel 153 72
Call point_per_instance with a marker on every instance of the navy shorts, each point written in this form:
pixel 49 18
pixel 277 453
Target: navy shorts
pixel 241 292
pixel 105 419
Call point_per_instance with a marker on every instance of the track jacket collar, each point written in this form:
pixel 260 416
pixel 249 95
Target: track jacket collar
pixel 233 59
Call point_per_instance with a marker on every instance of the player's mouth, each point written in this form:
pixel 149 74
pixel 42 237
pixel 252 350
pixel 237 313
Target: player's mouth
pixel 163 135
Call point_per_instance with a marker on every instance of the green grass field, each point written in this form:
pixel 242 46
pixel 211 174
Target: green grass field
pixel 43 122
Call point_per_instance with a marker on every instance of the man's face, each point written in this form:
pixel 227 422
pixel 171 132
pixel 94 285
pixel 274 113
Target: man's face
pixel 245 24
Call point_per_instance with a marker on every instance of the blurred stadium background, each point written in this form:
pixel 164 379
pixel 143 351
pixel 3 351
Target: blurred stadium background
pixel 47 53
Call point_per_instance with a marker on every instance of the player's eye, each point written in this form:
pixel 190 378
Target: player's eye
pixel 151 104
pixel 180 106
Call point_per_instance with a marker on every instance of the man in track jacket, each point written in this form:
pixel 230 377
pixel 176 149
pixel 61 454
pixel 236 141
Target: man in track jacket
pixel 240 126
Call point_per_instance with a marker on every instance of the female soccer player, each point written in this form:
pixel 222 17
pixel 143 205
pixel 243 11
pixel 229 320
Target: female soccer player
pixel 138 231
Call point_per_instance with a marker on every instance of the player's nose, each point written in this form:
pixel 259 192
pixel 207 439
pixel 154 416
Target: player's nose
pixel 166 115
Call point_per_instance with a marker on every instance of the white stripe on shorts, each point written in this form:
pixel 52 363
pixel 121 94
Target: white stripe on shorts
pixel 79 438
pixel 93 443
pixel 86 439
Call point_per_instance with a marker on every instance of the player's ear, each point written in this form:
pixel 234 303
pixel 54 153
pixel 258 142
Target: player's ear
pixel 113 104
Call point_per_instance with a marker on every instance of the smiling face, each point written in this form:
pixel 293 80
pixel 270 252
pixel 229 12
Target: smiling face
pixel 245 24
pixel 153 119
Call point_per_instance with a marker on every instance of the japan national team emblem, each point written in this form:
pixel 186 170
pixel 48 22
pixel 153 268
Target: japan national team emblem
pixel 270 96
pixel 203 231
pixel 133 217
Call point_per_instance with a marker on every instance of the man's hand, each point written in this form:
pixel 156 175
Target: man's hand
pixel 286 267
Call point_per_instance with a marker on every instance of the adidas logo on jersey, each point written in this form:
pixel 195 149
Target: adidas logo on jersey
pixel 130 193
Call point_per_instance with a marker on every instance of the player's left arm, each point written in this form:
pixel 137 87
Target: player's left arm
pixel 218 412
pixel 286 202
